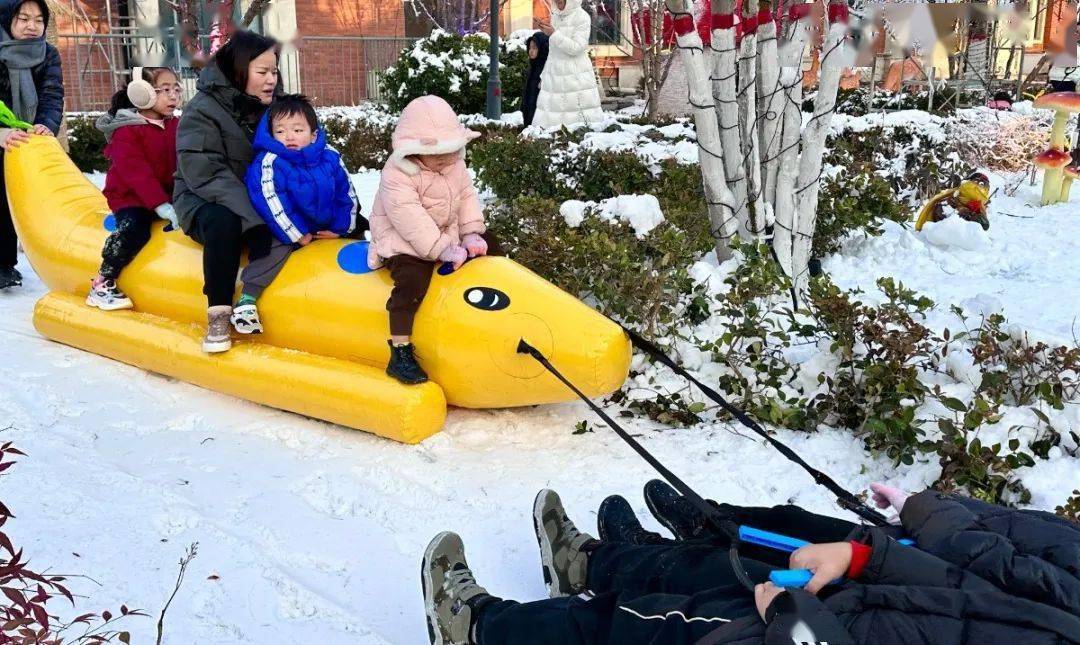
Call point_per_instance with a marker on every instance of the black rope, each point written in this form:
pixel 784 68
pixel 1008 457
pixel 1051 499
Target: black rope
pixel 711 513
pixel 845 498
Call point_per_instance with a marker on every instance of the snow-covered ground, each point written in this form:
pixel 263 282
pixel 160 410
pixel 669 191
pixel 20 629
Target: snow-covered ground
pixel 310 533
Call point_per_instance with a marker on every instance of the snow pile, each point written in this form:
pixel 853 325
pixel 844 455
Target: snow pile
pixel 956 232
pixel 641 212
pixel 374 115
pixel 652 144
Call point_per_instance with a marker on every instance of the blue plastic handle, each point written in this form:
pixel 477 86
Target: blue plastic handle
pixel 770 540
pixel 790 577
pixel 906 541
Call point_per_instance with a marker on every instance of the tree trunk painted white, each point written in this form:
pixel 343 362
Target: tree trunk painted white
pixel 725 90
pixel 770 109
pixel 789 56
pixel 833 61
pixel 721 202
pixel 753 221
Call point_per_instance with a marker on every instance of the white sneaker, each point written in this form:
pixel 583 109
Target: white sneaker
pixel 108 297
pixel 245 320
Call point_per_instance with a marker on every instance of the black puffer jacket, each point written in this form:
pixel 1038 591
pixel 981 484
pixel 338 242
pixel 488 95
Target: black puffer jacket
pixel 532 75
pixel 907 596
pixel 48 76
pixel 1030 554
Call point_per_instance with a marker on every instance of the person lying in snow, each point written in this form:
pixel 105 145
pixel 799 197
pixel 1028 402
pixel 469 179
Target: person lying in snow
pixel 970 200
pixel 980 575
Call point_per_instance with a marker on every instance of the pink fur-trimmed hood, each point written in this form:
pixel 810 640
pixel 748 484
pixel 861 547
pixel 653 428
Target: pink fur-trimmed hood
pixel 428 126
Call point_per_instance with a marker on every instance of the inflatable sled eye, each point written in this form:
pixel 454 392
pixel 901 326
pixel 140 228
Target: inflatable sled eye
pixel 487 298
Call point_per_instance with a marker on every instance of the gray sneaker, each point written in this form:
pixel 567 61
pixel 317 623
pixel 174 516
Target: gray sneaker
pixel 218 329
pixel 450 591
pixel 564 562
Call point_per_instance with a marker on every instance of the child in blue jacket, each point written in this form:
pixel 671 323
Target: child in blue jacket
pixel 300 187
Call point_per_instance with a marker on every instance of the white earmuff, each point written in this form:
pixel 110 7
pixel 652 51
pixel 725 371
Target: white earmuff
pixel 141 94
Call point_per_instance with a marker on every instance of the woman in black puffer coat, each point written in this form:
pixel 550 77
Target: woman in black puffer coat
pixel 537 46
pixel 32 86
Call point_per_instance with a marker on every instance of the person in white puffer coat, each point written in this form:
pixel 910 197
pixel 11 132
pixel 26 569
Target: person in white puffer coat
pixel 568 92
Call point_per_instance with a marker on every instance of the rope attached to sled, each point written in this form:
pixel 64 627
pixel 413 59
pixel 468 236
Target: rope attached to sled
pixel 844 498
pixel 711 513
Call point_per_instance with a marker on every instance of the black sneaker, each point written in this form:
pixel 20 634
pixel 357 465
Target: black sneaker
pixel 403 365
pixel 616 522
pixel 674 512
pixel 10 277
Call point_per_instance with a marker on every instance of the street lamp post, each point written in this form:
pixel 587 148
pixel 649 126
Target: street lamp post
pixel 493 109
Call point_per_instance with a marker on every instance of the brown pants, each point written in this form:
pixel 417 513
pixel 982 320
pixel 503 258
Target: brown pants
pixel 412 276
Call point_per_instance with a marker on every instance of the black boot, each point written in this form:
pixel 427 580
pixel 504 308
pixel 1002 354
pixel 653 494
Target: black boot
pixel 403 365
pixel 616 522
pixel 10 277
pixel 675 512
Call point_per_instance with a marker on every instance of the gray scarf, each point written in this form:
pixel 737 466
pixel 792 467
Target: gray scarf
pixel 21 56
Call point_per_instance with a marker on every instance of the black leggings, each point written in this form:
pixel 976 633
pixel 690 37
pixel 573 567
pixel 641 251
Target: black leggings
pixel 131 235
pixel 9 243
pixel 220 231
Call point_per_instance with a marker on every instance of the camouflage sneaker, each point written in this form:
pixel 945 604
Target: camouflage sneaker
pixel 564 562
pixel 450 592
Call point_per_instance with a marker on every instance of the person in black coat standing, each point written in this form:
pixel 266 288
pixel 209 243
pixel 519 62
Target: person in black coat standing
pixel 32 86
pixel 537 45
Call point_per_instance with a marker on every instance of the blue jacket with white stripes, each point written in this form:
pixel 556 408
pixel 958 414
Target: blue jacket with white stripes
pixel 301 191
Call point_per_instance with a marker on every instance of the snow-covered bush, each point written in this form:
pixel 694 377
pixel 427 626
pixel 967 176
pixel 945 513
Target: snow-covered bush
pixel 911 150
pixel 1000 140
pixel 976 401
pixel 455 67
pixel 639 276
pixel 856 102
pixel 856 202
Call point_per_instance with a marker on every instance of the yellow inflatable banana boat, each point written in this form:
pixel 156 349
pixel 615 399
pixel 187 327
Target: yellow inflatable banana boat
pixel 324 349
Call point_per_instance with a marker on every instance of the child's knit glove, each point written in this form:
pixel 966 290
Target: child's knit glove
pixel 474 244
pixel 455 255
pixel 167 213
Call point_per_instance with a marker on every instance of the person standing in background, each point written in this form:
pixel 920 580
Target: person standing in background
pixel 537 46
pixel 32 86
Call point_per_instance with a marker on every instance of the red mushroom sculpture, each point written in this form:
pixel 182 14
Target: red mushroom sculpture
pixel 1071 173
pixel 1052 161
pixel 1055 159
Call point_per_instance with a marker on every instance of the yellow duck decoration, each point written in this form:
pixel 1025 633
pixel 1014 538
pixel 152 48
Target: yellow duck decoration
pixel 970 200
pixel 324 348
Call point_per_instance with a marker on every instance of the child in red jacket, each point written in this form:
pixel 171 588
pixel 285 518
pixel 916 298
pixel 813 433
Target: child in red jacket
pixel 140 129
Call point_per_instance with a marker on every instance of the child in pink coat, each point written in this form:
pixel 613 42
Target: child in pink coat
pixel 426 211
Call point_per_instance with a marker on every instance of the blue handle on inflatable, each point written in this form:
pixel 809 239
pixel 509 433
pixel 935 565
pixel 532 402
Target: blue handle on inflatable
pixel 790 577
pixel 906 541
pixel 770 540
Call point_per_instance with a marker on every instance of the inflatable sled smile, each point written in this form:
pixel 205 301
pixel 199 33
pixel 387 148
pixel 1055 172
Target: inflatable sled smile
pixel 324 348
